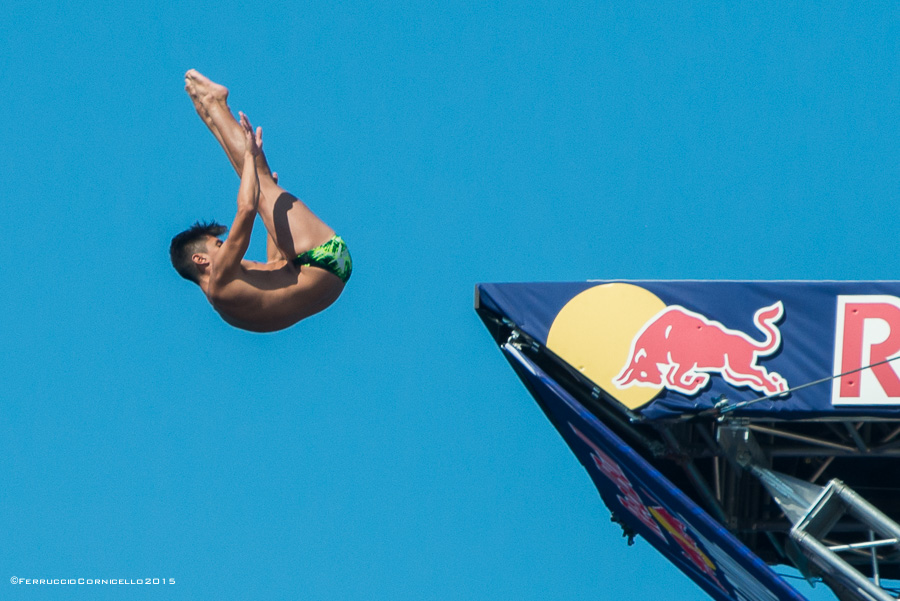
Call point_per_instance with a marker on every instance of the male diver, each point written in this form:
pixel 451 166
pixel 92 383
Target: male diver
pixel 307 264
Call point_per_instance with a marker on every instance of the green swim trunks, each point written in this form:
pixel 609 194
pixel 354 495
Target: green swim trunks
pixel 332 256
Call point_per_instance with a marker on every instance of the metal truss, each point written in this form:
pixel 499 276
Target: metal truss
pixel 760 480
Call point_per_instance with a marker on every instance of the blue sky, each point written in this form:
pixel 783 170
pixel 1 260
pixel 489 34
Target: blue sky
pixel 384 449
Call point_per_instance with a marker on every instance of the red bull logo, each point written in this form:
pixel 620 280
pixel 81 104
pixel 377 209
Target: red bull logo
pixel 651 516
pixel 632 344
pixel 678 349
pixel 627 496
pixel 689 547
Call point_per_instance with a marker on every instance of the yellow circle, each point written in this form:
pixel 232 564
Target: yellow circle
pixel 594 331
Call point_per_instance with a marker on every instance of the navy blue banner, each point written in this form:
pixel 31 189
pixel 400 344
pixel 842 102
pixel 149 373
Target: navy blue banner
pixel 666 348
pixel 645 501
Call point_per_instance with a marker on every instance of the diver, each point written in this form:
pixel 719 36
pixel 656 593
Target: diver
pixel 307 265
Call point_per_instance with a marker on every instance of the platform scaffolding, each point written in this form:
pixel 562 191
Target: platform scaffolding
pixel 814 511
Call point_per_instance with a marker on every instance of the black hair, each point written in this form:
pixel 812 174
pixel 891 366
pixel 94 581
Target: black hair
pixel 190 241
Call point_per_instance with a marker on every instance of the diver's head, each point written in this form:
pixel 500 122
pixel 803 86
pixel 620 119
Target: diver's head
pixel 192 249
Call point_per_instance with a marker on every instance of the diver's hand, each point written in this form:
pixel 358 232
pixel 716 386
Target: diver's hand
pixel 252 143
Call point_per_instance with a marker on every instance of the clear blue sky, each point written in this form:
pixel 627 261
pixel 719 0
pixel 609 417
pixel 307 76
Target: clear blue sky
pixel 384 449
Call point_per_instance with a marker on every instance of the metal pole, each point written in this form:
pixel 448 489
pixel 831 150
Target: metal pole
pixel 865 512
pixel 875 575
pixel 869 545
pixel 829 562
pixel 821 469
pixel 800 437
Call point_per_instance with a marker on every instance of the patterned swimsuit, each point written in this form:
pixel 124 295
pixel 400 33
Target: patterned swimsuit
pixel 331 256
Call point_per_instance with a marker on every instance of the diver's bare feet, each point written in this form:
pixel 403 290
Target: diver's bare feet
pixel 204 88
pixel 198 104
pixel 210 101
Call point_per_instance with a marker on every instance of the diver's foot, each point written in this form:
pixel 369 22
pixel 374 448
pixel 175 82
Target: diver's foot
pixel 204 88
pixel 198 104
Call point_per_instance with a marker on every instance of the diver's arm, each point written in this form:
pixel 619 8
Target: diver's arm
pixel 238 241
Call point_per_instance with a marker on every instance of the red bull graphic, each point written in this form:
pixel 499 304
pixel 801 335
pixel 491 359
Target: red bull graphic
pixel 692 552
pixel 627 496
pixel 663 348
pixel 646 503
pixel 679 349
pixel 651 516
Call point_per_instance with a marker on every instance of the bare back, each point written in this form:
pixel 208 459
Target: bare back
pixel 264 297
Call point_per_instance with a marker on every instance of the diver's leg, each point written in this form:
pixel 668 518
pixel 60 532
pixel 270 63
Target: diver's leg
pixel 236 161
pixel 294 228
pixel 273 253
pixel 211 98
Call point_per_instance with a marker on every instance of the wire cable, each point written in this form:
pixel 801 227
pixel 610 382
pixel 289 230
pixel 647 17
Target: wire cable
pixel 721 408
